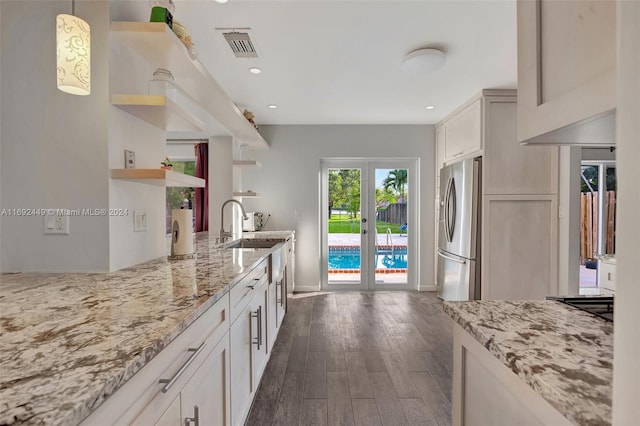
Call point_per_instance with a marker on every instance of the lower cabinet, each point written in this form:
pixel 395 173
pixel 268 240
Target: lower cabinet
pixel 209 374
pixel 486 392
pixel 202 400
pixel 249 349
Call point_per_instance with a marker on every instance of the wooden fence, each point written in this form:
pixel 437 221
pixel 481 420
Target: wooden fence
pixel 589 224
pixel 394 213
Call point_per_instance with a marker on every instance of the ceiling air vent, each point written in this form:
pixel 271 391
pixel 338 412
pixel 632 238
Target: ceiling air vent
pixel 240 42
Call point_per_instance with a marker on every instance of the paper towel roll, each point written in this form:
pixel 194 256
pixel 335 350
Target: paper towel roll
pixel 183 242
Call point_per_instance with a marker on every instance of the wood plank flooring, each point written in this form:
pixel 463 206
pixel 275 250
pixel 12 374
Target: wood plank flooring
pixel 359 358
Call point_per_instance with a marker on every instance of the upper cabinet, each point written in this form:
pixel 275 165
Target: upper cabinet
pixel 160 47
pixel 566 72
pixel 462 132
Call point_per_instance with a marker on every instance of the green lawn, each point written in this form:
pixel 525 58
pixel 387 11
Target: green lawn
pixel 352 226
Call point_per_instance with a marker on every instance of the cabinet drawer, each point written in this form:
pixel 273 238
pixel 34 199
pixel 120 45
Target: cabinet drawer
pixel 243 291
pixel 145 388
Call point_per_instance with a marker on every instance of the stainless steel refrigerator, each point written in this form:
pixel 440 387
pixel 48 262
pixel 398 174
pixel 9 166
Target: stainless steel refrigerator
pixel 459 231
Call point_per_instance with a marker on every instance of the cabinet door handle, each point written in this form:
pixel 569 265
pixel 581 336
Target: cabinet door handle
pixel 279 283
pixel 195 419
pixel 170 382
pixel 258 316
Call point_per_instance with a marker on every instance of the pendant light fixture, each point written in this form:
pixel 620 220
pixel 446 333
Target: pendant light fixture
pixel 73 40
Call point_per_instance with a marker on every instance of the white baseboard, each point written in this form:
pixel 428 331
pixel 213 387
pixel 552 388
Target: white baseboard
pixel 428 287
pixel 307 289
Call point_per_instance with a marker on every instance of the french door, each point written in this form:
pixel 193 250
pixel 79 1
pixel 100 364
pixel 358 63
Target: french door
pixel 368 216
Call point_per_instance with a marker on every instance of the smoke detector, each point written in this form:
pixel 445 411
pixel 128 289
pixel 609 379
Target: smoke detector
pixel 240 41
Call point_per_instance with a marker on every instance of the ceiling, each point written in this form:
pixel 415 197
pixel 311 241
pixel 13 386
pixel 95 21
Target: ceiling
pixel 339 62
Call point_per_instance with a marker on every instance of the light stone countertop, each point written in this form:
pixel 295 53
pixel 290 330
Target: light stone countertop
pixel 563 353
pixel 68 341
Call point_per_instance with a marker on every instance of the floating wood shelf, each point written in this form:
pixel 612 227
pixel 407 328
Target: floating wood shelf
pixel 156 43
pixel 159 177
pixel 245 194
pixel 159 111
pixel 246 163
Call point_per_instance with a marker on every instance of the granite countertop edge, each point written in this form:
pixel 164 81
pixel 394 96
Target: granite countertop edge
pixel 549 391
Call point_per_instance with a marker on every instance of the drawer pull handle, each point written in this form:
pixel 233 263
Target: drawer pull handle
pixel 170 382
pixel 195 419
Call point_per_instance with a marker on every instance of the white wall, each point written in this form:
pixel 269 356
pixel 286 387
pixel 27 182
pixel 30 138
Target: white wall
pixel 130 74
pixel 58 149
pixel 288 182
pixel 626 370
pixel 54 145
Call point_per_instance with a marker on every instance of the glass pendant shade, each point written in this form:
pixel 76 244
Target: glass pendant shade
pixel 73 41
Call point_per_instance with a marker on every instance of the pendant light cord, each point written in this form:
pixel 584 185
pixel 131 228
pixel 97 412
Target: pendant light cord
pixel 73 7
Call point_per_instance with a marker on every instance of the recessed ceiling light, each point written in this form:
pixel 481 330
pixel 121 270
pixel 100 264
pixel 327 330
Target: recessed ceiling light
pixel 423 61
pixel 430 107
pixel 272 106
pixel 255 70
pixel 221 1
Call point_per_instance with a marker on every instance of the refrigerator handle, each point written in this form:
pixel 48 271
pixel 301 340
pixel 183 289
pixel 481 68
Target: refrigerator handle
pixel 449 257
pixel 452 209
pixel 446 209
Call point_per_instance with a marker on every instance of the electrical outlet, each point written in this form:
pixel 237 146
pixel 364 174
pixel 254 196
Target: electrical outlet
pixel 140 221
pixel 56 224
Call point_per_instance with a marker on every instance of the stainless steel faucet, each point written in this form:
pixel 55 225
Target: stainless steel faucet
pixel 223 236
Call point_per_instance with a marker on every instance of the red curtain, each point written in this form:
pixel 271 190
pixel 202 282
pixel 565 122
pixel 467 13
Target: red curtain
pixel 202 194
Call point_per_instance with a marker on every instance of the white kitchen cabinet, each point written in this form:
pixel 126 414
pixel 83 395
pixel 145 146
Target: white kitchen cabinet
pixel 519 246
pixel 147 398
pixel 518 229
pixel 463 132
pixel 289 283
pixel 202 398
pixel 486 392
pixel 566 71
pixel 259 311
pixel 248 346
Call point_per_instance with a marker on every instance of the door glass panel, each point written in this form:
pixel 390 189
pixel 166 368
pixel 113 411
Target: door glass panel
pixel 391 248
pixel 343 227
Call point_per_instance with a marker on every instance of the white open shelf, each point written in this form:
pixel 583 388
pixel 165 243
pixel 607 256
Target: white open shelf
pixel 161 177
pixel 246 163
pixel 159 111
pixel 156 43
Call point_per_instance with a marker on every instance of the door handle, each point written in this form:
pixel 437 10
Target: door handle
pixel 450 257
pixel 364 231
pixel 257 315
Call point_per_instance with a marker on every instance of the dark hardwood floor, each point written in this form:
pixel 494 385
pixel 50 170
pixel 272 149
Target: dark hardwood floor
pixel 359 358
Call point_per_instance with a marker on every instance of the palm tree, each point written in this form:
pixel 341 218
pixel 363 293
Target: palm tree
pixel 397 179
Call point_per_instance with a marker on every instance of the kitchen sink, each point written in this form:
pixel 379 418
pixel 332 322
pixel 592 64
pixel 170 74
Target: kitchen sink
pixel 250 243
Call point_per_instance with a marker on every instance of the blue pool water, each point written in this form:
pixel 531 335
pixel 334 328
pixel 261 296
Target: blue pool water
pixel 350 259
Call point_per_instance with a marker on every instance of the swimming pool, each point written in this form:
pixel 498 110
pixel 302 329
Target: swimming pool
pixel 348 258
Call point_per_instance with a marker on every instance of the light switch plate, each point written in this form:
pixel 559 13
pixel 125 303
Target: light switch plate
pixel 129 159
pixel 56 224
pixel 140 221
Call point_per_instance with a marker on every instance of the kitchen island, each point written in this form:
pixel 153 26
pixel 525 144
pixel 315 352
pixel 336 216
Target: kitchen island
pixel 69 341
pixel 530 362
